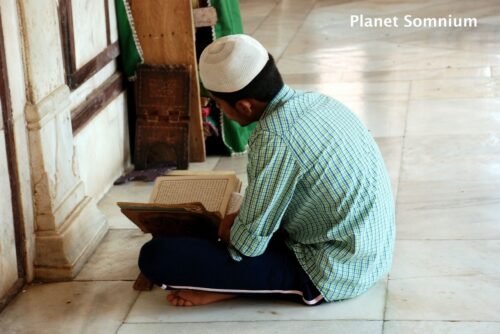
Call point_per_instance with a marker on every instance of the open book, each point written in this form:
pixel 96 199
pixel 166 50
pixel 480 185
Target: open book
pixel 187 203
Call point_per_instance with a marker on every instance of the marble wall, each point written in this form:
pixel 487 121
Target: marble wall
pixel 60 181
pixel 102 148
pixel 89 22
pixel 8 262
pixel 42 44
pixel 17 88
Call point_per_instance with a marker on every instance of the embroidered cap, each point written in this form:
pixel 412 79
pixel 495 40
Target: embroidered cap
pixel 230 63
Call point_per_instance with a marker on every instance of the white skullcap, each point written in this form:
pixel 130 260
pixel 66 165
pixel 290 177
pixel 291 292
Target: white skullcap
pixel 230 63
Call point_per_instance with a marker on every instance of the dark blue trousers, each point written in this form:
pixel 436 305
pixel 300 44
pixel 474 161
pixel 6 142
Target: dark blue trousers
pixel 201 264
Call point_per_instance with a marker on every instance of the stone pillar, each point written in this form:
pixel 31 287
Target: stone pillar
pixel 68 224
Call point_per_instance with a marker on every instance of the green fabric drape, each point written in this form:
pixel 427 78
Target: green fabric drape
pixel 130 50
pixel 229 22
pixel 229 18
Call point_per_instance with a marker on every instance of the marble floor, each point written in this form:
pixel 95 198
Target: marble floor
pixel 430 97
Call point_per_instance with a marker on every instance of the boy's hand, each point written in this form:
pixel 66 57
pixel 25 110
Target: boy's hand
pixel 225 227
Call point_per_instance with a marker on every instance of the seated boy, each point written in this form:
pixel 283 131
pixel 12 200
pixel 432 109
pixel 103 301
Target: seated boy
pixel 317 219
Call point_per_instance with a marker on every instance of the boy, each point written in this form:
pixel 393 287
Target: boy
pixel 317 220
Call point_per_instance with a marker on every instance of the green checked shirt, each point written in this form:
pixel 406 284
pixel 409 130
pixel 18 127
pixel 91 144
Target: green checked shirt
pixel 316 173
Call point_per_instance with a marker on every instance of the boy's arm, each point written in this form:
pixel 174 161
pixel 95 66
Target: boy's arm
pixel 273 174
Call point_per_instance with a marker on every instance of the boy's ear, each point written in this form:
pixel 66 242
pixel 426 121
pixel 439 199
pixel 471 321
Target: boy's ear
pixel 244 107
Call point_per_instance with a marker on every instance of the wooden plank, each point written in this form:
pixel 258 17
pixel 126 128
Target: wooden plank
pixel 166 33
pixel 85 72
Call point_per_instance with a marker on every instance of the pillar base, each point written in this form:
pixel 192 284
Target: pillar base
pixel 61 254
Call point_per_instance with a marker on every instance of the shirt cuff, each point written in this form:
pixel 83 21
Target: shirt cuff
pixel 246 242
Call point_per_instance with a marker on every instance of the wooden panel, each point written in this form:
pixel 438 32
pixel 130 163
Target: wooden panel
pixel 163 113
pixel 95 65
pixel 96 102
pixel 166 33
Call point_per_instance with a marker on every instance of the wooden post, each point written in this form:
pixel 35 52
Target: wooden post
pixel 166 33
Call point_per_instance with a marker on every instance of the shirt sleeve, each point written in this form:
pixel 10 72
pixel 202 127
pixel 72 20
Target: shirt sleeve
pixel 273 173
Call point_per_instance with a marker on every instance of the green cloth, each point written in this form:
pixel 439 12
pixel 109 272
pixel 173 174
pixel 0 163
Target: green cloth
pixel 228 17
pixel 229 22
pixel 130 50
pixel 315 173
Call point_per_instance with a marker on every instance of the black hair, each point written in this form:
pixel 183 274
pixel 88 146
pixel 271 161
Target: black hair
pixel 263 87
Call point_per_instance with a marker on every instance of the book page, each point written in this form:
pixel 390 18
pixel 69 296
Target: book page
pixel 213 191
pixel 234 203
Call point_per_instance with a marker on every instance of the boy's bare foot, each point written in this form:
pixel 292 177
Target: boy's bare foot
pixel 193 297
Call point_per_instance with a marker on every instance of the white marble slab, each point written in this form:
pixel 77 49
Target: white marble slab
pixel 375 91
pixel 8 260
pixel 44 60
pixel 382 118
pixel 453 117
pixel 116 219
pixel 254 12
pixel 288 65
pixel 89 26
pixel 116 257
pixel 208 164
pixel 441 327
pixel 281 25
pixel 153 307
pixel 262 327
pixel 448 210
pixel 452 88
pixel 429 258
pixel 451 59
pixel 102 148
pixel 237 163
pixel 495 71
pixel 298 77
pixel 391 148
pixel 450 298
pixel 14 58
pixel 71 307
pixel 369 54
pixel 136 191
pixel 464 158
pixel 444 72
